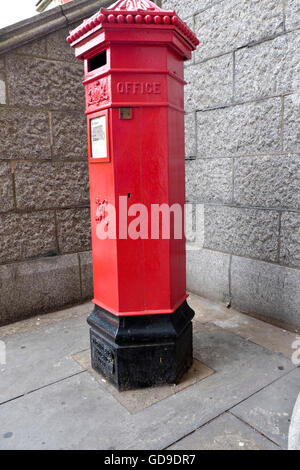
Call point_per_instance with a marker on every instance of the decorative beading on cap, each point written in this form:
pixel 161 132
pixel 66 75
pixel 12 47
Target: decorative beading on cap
pixel 134 5
pixel 134 12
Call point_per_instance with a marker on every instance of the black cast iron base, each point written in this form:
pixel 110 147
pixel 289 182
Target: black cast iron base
pixel 140 351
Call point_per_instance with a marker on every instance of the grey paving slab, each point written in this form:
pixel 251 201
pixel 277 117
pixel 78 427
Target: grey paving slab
pixel 34 323
pixel 225 433
pixel 137 400
pixel 38 357
pixel 77 413
pixel 270 410
pixel 216 314
pixel 294 430
pixel 72 414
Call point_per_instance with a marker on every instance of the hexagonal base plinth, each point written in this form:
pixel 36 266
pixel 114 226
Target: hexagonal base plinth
pixel 144 350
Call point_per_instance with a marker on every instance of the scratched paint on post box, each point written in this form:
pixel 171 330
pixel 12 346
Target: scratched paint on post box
pixel 98 137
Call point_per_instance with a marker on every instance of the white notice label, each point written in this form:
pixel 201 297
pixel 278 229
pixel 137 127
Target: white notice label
pixel 98 137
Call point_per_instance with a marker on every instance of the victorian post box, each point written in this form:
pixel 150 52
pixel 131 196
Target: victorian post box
pixel 133 53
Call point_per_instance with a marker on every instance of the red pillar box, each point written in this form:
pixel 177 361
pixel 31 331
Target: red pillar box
pixel 133 53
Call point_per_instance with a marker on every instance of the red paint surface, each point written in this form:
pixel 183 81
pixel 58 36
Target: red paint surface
pixel 144 71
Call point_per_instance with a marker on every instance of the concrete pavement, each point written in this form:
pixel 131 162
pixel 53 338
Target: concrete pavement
pixel 239 395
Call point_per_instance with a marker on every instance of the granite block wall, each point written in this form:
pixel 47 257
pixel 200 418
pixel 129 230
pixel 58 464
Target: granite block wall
pixel 45 259
pixel 243 154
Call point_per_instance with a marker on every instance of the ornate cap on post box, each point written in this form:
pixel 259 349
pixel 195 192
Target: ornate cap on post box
pixel 133 52
pixel 134 13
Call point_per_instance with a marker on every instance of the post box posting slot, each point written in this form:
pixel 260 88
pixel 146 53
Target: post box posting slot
pixel 97 61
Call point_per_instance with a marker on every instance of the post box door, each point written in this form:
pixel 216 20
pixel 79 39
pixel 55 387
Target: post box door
pixel 126 143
